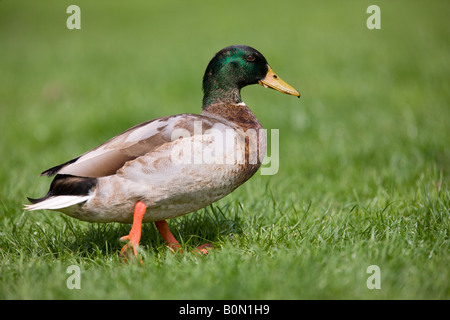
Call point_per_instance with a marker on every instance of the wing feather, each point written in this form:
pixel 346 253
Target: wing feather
pixel 139 140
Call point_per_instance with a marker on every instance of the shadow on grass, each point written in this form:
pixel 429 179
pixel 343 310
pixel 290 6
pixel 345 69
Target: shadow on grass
pixel 85 240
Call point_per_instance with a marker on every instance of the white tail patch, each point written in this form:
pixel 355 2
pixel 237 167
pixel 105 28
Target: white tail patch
pixel 58 202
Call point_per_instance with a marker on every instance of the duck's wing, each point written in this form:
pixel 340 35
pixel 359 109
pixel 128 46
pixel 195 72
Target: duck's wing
pixel 109 157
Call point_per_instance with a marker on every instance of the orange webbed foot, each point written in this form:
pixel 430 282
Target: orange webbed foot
pixel 135 234
pixel 173 244
pixel 203 249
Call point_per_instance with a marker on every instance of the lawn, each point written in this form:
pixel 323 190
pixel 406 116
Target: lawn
pixel 364 155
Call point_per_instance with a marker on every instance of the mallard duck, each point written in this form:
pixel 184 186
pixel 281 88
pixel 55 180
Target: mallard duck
pixel 171 166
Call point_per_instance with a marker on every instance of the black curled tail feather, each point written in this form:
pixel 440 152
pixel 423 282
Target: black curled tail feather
pixel 34 201
pixel 68 185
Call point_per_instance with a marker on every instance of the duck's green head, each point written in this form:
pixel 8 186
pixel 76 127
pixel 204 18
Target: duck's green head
pixel 235 67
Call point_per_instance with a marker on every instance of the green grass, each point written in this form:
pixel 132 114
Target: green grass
pixel 364 154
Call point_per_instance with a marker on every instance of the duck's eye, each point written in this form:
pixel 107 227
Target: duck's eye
pixel 250 58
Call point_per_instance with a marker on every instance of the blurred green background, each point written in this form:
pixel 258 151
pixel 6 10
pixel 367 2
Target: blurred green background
pixel 364 154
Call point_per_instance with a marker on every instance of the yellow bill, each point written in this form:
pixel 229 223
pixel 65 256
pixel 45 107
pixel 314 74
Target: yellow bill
pixel 273 81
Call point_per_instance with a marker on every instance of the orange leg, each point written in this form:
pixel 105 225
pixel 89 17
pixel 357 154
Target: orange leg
pixel 173 244
pixel 135 234
pixel 163 229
